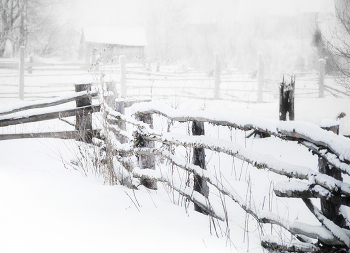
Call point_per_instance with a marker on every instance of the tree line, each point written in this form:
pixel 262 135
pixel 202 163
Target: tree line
pixel 34 24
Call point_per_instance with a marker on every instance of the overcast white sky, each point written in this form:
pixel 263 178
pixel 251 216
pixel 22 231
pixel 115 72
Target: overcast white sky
pixel 129 12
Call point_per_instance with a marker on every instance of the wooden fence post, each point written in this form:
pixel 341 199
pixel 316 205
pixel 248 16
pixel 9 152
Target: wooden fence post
pixel 260 76
pixel 200 184
pixel 120 107
pixel 83 121
pixel 291 98
pixel 117 104
pixel 146 161
pixel 287 99
pixel 217 72
pixel 110 99
pixel 328 208
pixel 322 63
pixel 123 88
pixel 21 73
pixel 30 66
pixel 93 58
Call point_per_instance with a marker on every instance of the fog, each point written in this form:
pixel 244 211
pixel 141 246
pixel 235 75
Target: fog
pixel 192 31
pixel 131 12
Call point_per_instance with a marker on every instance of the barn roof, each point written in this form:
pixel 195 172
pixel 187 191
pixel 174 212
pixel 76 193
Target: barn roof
pixel 116 35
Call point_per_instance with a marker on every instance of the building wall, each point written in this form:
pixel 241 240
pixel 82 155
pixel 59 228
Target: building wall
pixel 131 52
pixel 110 53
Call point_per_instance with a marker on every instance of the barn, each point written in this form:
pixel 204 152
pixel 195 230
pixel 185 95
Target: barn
pixel 108 42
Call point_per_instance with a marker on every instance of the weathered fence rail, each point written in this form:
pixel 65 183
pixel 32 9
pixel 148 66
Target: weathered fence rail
pixel 83 110
pixel 334 149
pixel 46 103
pixel 217 85
pixel 147 143
pixel 235 86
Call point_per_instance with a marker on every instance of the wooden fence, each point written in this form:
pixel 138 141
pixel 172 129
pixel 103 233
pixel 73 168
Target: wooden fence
pixel 333 152
pixel 147 143
pixel 39 80
pixel 83 113
pixel 136 81
pixel 29 79
pixel 236 86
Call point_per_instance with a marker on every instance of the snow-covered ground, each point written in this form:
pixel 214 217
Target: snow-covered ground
pixel 49 206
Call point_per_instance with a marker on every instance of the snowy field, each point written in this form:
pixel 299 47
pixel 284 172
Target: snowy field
pixel 50 206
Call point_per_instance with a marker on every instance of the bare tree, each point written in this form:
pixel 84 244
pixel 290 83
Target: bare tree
pixel 31 23
pixel 336 43
pixel 11 20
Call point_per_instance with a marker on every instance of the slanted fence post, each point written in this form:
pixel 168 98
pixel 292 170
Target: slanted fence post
pixel 322 63
pixel 200 184
pixel 217 72
pixel 21 73
pixel 328 208
pixel 123 88
pixel 260 76
pixel 287 99
pixel 83 121
pixel 146 161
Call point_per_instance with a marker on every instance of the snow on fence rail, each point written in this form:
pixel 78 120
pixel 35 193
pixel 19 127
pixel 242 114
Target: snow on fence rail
pixel 29 112
pixel 334 149
pixel 121 148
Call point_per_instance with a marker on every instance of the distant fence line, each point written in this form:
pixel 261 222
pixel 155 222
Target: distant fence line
pixel 217 84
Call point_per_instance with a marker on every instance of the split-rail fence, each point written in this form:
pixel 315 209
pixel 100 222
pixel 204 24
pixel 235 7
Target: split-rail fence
pixel 147 143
